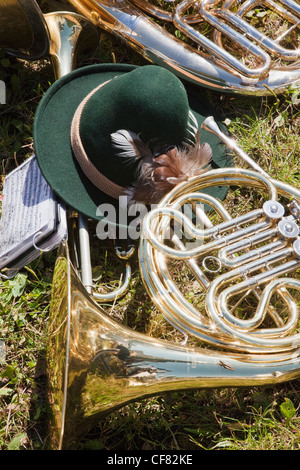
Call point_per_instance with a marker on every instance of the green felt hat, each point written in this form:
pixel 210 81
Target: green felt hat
pixel 79 114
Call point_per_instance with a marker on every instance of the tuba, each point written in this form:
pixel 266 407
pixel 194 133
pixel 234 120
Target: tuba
pixel 247 47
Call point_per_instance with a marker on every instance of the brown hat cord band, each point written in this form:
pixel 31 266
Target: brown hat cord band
pixel 92 173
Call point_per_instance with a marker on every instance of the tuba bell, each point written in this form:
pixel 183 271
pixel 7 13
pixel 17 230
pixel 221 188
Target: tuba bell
pixel 221 45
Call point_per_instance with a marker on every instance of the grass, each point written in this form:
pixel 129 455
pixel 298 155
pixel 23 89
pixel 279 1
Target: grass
pixel 255 418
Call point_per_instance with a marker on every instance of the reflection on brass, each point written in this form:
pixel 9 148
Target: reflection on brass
pixel 71 35
pixel 207 60
pixel 96 365
pixel 26 33
pixel 23 31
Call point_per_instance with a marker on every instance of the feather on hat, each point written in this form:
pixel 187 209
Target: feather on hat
pixel 158 171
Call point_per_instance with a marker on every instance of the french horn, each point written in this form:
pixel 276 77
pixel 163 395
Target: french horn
pixel 245 333
pixel 211 43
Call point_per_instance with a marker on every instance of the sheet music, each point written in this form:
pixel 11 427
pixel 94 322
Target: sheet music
pixel 49 244
pixel 30 214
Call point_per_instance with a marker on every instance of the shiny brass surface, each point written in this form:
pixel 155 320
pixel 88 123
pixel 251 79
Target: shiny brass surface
pixel 64 35
pixel 97 365
pixel 71 35
pixel 255 254
pixel 274 63
pixel 250 245
pixel 23 31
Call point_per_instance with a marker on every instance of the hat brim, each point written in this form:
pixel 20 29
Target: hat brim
pixel 51 133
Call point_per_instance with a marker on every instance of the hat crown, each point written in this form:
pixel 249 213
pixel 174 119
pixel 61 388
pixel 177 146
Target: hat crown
pixel 150 101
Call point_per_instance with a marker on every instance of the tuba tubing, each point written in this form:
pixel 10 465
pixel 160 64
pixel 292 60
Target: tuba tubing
pixel 212 66
pixel 70 35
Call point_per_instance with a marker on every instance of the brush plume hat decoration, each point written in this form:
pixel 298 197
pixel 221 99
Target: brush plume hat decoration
pixel 111 130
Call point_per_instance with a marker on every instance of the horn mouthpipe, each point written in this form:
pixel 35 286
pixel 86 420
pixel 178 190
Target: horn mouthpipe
pixel 210 125
pixel 70 35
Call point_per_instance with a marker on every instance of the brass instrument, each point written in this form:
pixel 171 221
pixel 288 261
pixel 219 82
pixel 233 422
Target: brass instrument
pixel 62 35
pixel 251 254
pixel 70 36
pixel 234 56
pixel 96 365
